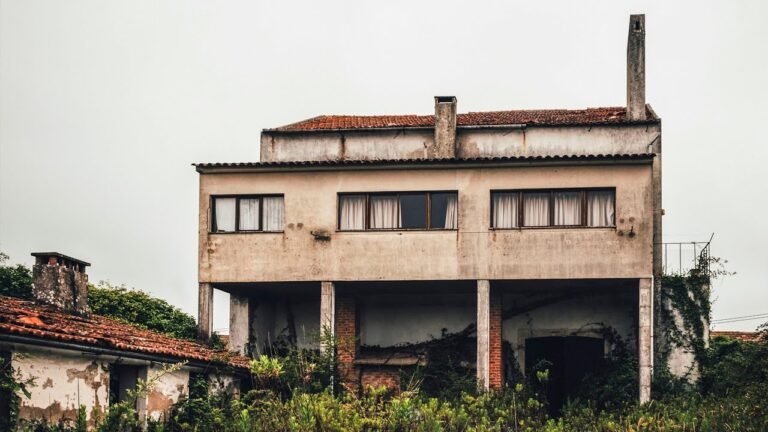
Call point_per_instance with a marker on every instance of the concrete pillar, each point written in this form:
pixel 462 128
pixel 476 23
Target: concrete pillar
pixel 645 323
pixel 327 311
pixel 483 333
pixel 239 323
pixel 205 312
pixel 636 68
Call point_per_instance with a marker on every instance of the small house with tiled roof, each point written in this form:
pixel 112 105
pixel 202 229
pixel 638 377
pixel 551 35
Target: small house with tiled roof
pixel 530 232
pixel 81 359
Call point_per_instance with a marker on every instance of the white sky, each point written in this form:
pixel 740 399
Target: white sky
pixel 104 105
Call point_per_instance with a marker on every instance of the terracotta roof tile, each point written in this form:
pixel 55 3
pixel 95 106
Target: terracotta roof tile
pixel 549 117
pixel 745 336
pixel 27 318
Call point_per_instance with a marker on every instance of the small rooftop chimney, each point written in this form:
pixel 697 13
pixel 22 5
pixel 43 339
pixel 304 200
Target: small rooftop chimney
pixel 636 68
pixel 445 128
pixel 60 281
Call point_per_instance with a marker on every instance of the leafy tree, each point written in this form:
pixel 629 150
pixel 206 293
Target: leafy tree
pixel 15 281
pixel 139 308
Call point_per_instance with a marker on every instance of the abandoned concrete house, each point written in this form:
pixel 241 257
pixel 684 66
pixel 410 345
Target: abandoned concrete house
pixel 81 359
pixel 538 229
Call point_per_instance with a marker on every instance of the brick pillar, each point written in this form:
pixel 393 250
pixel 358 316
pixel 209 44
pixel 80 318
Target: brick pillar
pixel 645 325
pixel 495 365
pixel 347 342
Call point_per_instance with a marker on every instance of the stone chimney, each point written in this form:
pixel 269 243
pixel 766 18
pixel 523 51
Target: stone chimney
pixel 636 68
pixel 445 128
pixel 60 281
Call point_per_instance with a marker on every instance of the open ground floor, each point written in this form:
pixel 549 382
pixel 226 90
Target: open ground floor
pixel 497 329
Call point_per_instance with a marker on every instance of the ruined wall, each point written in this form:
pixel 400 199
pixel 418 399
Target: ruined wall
pixel 64 380
pixel 473 252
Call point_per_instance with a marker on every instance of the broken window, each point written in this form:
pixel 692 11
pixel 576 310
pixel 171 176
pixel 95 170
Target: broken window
pixel 247 213
pixel 547 208
pixel 398 210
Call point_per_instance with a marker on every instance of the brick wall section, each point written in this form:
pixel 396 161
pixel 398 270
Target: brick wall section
pixel 496 366
pixel 347 342
pixel 373 376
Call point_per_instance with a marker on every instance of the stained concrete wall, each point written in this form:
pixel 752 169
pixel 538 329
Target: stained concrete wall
pixel 270 323
pixel 470 142
pixel 473 252
pixel 63 381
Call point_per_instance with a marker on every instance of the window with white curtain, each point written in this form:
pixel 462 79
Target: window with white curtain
pixel 567 210
pixel 536 209
pixel 247 213
pixel 352 212
pixel 600 208
pixel 505 208
pixel 398 211
pixel 557 208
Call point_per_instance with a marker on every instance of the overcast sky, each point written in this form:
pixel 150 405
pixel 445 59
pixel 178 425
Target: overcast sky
pixel 104 105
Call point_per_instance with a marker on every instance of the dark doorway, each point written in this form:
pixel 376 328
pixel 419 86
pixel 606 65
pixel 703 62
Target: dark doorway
pixel 569 359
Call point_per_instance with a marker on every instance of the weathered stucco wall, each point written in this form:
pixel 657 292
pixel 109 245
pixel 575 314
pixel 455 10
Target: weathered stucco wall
pixel 472 252
pixel 63 381
pixel 470 142
pixel 168 388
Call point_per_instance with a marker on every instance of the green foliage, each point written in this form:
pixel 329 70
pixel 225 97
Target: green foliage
pixel 11 387
pixel 139 308
pixel 15 281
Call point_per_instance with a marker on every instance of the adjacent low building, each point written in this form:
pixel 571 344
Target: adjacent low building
pixel 80 359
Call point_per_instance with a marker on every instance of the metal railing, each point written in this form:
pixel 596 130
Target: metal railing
pixel 681 257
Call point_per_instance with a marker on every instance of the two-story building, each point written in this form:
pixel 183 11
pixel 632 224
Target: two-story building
pixel 535 229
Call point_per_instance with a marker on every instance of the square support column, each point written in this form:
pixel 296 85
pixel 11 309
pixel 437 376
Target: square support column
pixel 327 311
pixel 239 324
pixel 483 333
pixel 205 312
pixel 346 325
pixel 645 325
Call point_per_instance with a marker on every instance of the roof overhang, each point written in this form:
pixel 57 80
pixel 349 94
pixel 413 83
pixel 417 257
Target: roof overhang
pixel 406 164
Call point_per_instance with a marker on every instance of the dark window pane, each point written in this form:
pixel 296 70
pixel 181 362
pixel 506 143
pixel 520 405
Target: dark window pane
pixel 413 211
pixel 444 211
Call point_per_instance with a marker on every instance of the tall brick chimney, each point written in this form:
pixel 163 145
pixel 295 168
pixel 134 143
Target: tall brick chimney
pixel 636 68
pixel 445 128
pixel 60 281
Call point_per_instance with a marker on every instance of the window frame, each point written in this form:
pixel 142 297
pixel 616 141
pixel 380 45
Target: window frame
pixel 238 197
pixel 551 217
pixel 397 194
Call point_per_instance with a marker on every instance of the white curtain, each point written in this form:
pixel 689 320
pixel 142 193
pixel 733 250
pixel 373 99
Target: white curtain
pixel 567 208
pixel 536 209
pixel 273 213
pixel 249 214
pixel 352 212
pixel 451 212
pixel 385 212
pixel 225 214
pixel 600 209
pixel 505 210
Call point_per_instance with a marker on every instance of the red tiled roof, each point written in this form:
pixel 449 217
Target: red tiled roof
pixel 551 117
pixel 744 336
pixel 27 318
